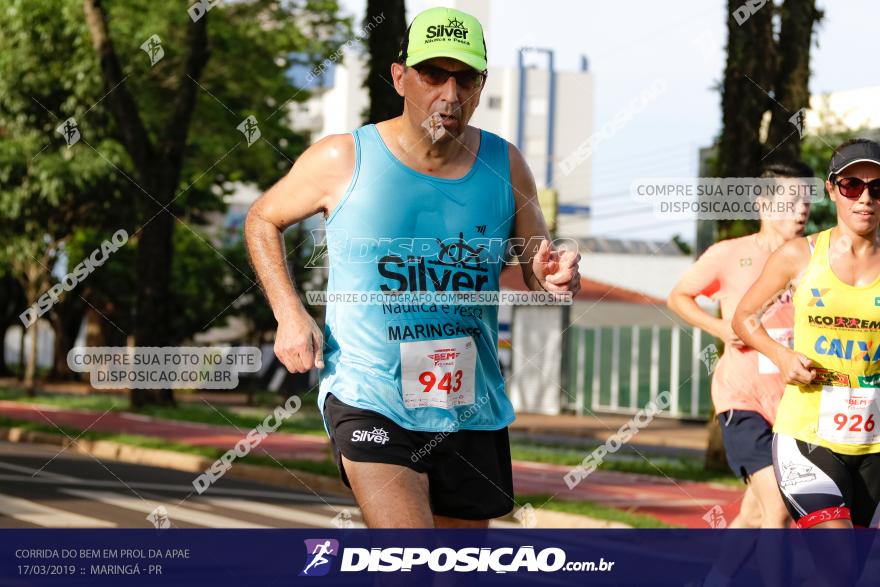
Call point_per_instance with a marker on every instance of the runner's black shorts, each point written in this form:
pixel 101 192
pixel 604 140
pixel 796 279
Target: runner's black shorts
pixel 748 440
pixel 819 485
pixel 469 471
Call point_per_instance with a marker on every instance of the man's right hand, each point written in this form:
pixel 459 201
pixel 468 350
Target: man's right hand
pixel 299 343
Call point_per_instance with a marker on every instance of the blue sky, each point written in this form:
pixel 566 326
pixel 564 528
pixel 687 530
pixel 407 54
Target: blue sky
pixel 630 44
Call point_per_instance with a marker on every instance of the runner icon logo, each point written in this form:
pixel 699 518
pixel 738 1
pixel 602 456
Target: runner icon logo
pixel 376 435
pixel 319 555
pixel 793 474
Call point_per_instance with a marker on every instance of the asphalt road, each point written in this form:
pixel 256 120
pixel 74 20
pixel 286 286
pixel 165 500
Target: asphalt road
pixel 41 487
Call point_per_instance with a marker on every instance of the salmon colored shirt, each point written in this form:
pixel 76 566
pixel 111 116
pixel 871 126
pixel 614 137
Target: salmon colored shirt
pixel 743 379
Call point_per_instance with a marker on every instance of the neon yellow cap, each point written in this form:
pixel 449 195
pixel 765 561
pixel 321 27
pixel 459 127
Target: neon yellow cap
pixel 445 32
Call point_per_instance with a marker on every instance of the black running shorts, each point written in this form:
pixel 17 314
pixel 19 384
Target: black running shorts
pixel 469 471
pixel 819 485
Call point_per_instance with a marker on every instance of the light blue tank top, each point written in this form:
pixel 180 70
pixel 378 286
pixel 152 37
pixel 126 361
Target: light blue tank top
pixel 427 367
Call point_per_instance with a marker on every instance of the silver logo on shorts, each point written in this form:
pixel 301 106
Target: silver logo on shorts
pixel 376 435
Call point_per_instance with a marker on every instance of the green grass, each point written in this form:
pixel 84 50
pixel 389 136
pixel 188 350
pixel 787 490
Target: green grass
pixel 593 510
pixel 682 468
pixel 306 421
pixel 79 402
pixel 326 467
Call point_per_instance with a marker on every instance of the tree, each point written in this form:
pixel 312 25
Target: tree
pixel 791 91
pixel 765 73
pixel 28 258
pixel 242 70
pixel 167 127
pixel 48 181
pixel 204 285
pixel 748 76
pixel 306 262
pixel 11 302
pixel 383 45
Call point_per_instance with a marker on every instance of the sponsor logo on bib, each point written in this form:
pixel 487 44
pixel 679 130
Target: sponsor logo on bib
pixel 817 296
pixel 869 380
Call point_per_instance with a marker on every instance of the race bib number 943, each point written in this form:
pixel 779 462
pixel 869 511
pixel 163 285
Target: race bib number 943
pixel 849 415
pixel 438 373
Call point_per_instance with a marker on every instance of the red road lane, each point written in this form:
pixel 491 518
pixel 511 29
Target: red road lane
pixel 279 445
pixel 681 503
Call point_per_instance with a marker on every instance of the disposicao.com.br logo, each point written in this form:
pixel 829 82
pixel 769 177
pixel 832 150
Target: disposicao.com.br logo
pixel 442 559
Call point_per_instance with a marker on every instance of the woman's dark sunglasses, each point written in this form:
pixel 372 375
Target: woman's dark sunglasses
pixel 467 79
pixel 851 188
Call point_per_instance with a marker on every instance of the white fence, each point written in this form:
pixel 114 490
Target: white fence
pixel 619 369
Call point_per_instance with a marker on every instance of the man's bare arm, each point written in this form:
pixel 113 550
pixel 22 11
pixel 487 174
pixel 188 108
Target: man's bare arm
pixel 543 267
pixel 314 184
pixel 684 304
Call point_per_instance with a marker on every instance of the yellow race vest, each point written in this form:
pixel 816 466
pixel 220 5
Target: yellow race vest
pixel 837 326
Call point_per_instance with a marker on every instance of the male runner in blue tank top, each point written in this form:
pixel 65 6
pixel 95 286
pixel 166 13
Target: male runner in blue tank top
pixel 412 394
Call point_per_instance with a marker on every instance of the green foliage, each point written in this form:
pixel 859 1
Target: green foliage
pixel 249 301
pixel 199 291
pixel 58 201
pixel 203 281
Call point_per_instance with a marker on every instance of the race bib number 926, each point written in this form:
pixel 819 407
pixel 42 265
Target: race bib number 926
pixel 849 415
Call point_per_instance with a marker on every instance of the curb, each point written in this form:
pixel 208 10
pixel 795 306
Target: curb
pixel 136 455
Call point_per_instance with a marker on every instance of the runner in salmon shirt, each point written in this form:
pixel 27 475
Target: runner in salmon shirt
pixel 746 386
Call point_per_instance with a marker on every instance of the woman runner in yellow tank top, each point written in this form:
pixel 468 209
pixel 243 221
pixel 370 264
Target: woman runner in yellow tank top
pixel 826 447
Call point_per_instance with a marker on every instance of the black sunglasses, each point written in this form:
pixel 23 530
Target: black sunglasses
pixel 467 79
pixel 851 188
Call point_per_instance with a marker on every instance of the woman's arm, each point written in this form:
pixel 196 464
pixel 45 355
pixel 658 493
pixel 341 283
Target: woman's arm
pixel 783 267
